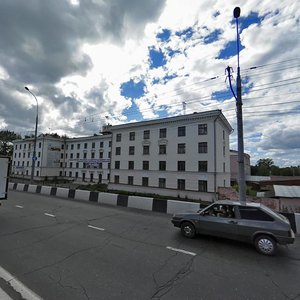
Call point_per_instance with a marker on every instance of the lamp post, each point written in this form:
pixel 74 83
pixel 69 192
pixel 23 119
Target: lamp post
pixel 239 115
pixel 35 135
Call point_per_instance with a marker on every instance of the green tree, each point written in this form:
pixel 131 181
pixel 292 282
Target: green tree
pixel 6 138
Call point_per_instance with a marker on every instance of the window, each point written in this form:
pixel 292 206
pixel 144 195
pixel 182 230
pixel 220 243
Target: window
pixel 202 129
pixel 162 133
pixel 162 182
pixel 78 146
pixel 71 164
pixel 180 184
pixel 109 144
pixel 109 154
pixel 27 155
pixel 100 165
pixel 77 165
pixel 146 134
pixel 118 137
pixel 145 165
pixel 131 136
pixel 130 180
pixel 162 165
pixel 224 151
pixel 84 165
pixel 117 164
pixel 85 145
pixel 146 150
pixel 202 147
pixel 101 154
pixel 72 146
pixel 70 174
pixel 202 185
pixel 101 144
pixel 27 163
pixel 181 148
pixel 20 146
pixel 254 213
pixel 62 146
pixel 202 166
pixel 117 178
pixel 118 151
pixel 38 163
pixel 24 155
pixel 181 165
pixel 16 147
pixel 145 181
pixel 76 174
pixel 77 155
pixel 162 149
pixel 84 155
pixel 40 145
pixel 181 131
pixel 131 150
pixel 224 167
pixel 93 145
pixel 71 155
pixel 131 165
pixel 66 155
pixel 93 155
pixel 24 146
pixel 39 154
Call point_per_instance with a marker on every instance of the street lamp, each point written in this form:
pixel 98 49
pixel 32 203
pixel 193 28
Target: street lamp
pixel 35 135
pixel 239 114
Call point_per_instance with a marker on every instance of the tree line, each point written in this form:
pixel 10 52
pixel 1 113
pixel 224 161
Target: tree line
pixel 266 167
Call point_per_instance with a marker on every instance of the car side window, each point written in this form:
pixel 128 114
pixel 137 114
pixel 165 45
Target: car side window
pixel 254 213
pixel 221 210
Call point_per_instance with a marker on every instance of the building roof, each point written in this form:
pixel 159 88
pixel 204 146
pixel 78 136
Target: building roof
pixel 189 118
pixel 287 191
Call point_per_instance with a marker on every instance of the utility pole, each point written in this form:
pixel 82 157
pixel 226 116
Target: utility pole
pixel 35 135
pixel 239 113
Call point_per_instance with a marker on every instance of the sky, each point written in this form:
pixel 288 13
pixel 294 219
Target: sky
pixel 93 62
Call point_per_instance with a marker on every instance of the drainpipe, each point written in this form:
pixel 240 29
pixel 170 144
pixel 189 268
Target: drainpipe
pixel 215 160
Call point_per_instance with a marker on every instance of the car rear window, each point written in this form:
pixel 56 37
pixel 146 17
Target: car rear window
pixel 254 213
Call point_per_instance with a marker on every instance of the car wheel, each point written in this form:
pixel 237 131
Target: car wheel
pixel 188 230
pixel 265 245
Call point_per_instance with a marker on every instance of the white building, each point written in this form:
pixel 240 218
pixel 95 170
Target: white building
pixel 185 156
pixel 80 159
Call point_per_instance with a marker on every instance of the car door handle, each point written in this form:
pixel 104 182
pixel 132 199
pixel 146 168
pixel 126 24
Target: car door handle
pixel 232 222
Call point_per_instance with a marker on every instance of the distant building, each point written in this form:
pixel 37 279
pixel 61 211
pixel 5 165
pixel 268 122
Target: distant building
pixel 186 156
pixel 234 165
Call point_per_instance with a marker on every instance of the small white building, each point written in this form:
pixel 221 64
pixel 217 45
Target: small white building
pixel 185 156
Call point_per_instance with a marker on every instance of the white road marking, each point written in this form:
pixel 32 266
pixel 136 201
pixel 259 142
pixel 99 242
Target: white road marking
pixel 49 215
pixel 4 296
pixel 94 227
pixel 18 286
pixel 181 251
pixel 19 206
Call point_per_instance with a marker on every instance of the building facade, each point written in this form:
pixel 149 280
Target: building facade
pixel 234 165
pixel 186 156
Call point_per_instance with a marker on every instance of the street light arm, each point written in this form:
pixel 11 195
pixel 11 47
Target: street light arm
pixel 37 104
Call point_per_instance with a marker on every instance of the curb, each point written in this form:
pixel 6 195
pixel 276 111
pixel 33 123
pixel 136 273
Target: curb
pixel 138 202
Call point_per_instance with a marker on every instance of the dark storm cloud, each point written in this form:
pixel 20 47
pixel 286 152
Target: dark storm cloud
pixel 40 40
pixel 41 43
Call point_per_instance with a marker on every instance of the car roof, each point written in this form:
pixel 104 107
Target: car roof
pixel 231 202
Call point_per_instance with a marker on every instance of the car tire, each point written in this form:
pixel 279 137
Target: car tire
pixel 265 244
pixel 188 230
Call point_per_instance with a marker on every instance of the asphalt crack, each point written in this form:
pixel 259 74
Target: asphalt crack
pixel 180 275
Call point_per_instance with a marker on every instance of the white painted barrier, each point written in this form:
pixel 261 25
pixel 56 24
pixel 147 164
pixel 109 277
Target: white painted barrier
pixel 62 192
pixel 32 188
pixel 140 202
pixel 107 198
pixel 82 195
pixel 20 186
pixel 46 190
pixel 180 206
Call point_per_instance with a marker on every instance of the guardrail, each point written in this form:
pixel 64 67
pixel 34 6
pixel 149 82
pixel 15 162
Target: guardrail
pixel 143 203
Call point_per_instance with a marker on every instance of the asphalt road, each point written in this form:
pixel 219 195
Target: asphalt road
pixel 64 249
